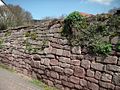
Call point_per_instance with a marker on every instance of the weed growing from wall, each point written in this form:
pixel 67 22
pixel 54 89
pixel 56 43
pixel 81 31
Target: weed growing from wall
pixel 32 35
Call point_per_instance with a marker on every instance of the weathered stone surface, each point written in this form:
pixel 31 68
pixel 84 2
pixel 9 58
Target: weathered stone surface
pixel 66 88
pixel 54 75
pixel 50 56
pixel 90 73
pixel 117 88
pixel 53 51
pixel 115 40
pixel 113 68
pixel 68 84
pixel 76 50
pixel 59 86
pixel 108 60
pixel 98 75
pixel 116 79
pixel 59 52
pixel 36 64
pixel 63 77
pixel 64 59
pixel 46 51
pixel 66 53
pixel 74 79
pixel 106 77
pixel 106 85
pixel 89 57
pixel 101 88
pixel 83 82
pixel 46 62
pixel 97 66
pixel 107 71
pixel 75 62
pixel 91 79
pixel 36 57
pixel 54 62
pixel 63 41
pixel 93 86
pixel 58 81
pixel 42 67
pixel 68 71
pixel 119 62
pixel 50 83
pixel 76 57
pixel 58 69
pixel 85 64
pixel 40 71
pixel 80 72
pixel 111 60
pixel 78 87
pixel 64 65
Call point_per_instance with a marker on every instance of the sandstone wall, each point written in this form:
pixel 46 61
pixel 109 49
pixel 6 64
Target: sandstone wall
pixel 58 64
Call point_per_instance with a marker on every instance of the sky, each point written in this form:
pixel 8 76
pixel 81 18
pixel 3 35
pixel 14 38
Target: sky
pixel 56 8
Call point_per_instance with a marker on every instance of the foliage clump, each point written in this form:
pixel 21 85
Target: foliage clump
pixel 32 35
pixel 74 20
pixel 29 47
pixel 94 32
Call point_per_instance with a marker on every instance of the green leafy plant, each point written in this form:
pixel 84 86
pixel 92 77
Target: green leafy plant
pixel 73 20
pixel 95 32
pixel 102 48
pixel 7 33
pixel 30 48
pixel 32 35
pixel 27 34
pixel 44 43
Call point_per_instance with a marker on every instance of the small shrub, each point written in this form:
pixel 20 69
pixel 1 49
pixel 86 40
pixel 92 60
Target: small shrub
pixel 73 20
pixel 102 48
pixel 27 34
pixel 28 47
pixel 44 43
pixel 32 35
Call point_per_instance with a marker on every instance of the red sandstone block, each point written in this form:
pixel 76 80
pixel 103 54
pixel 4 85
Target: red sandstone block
pixel 74 79
pixel 75 62
pixel 54 62
pixel 80 72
